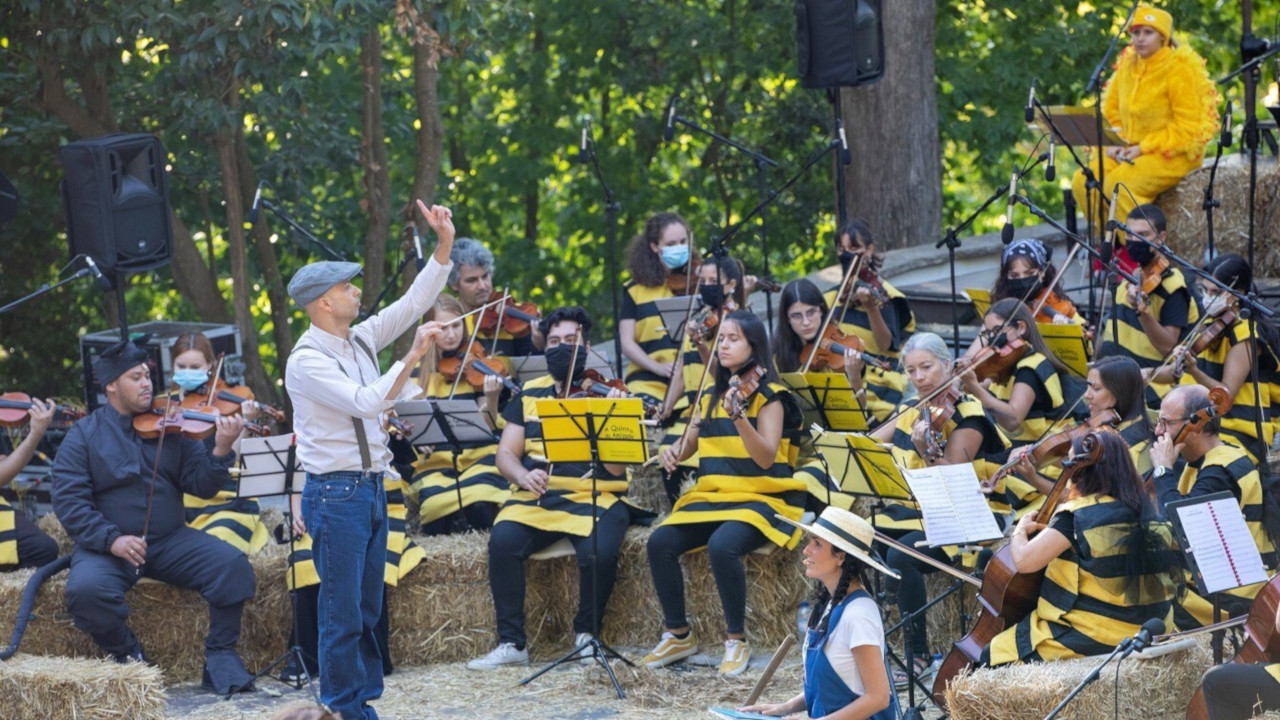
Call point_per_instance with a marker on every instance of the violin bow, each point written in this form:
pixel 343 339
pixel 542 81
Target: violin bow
pixel 466 353
pixel 681 334
pixel 831 312
pixel 502 311
pixel 213 383
pixel 155 472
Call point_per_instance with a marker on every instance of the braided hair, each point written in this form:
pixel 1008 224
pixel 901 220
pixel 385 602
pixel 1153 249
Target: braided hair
pixel 824 601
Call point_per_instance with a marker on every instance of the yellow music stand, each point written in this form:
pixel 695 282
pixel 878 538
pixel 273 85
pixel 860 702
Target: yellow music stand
pixel 1069 344
pixel 981 300
pixel 827 399
pixel 861 466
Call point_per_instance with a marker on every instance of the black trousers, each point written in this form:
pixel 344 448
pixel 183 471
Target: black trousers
pixel 912 594
pixel 1234 691
pixel 476 516
pixel 34 547
pixel 726 543
pixel 511 543
pixel 305 632
pixel 186 558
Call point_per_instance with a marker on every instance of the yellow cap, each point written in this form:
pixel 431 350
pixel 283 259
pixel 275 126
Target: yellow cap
pixel 1158 20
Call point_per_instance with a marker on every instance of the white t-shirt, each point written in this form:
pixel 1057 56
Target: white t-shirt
pixel 859 625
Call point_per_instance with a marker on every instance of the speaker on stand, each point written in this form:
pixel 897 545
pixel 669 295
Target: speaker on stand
pixel 840 43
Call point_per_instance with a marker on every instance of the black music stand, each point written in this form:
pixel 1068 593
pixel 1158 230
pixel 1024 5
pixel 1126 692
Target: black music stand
pixel 267 469
pixel 455 424
pixel 593 430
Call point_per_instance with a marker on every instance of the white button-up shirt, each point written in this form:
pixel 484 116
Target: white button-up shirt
pixel 330 387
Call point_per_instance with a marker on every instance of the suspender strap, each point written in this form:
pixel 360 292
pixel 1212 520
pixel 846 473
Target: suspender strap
pixel 362 439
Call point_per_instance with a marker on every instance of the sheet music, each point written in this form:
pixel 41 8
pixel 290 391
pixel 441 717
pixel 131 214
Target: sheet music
pixel 955 510
pixel 1225 555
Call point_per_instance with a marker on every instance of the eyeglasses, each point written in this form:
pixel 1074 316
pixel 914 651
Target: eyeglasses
pixel 1168 421
pixel 809 314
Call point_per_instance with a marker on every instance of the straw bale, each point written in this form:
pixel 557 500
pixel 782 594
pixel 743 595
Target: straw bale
pixel 1188 231
pixel 647 491
pixel 48 523
pixel 1160 687
pixel 55 688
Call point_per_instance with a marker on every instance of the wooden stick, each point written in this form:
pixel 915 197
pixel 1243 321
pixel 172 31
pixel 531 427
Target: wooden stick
pixel 774 662
pixel 957 574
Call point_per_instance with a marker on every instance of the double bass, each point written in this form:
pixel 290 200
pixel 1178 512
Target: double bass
pixel 1007 596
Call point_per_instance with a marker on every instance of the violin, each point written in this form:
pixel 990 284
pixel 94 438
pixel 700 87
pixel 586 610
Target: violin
pixel 194 424
pixel 768 285
pixel 593 383
pixel 1057 446
pixel 228 400
pixel 685 280
pixel 940 408
pixel 1152 276
pixel 1223 318
pixel 830 351
pixel 1056 305
pixel 475 366
pixel 997 360
pixel 746 385
pixel 705 322
pixel 1007 596
pixel 516 318
pixel 1261 641
pixel 15 410
pixel 866 278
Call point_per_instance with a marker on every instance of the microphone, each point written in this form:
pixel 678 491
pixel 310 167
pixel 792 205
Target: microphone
pixel 669 132
pixel 845 156
pixel 1006 233
pixel 1051 171
pixel 1029 113
pixel 257 203
pixel 582 149
pixel 1111 217
pixel 1141 639
pixel 1225 141
pixel 103 283
pixel 417 246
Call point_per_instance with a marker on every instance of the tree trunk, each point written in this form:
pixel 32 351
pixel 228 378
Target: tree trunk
pixel 373 161
pixel 895 180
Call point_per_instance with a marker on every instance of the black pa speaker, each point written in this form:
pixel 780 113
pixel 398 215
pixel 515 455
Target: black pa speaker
pixel 840 42
pixel 116 197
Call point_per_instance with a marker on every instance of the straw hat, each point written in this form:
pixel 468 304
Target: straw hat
pixel 847 532
pixel 1154 18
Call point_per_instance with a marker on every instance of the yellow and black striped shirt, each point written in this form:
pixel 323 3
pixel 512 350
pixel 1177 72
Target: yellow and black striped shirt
pixel 1240 424
pixel 885 388
pixel 8 535
pixel 638 304
pixel 1170 303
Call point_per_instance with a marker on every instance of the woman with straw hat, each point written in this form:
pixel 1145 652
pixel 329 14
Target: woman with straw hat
pixel 844 650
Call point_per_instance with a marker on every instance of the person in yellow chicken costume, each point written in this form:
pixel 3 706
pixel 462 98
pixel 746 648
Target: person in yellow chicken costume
pixel 1164 105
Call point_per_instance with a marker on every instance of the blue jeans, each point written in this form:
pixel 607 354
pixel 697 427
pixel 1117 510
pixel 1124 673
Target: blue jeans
pixel 346 516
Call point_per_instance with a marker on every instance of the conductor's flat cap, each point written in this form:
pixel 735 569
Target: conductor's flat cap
pixel 314 280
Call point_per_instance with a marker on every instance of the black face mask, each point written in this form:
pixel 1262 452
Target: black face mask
pixel 1142 252
pixel 846 259
pixel 712 295
pixel 559 359
pixel 1025 288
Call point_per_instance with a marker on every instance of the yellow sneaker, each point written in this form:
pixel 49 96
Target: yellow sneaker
pixel 671 649
pixel 737 653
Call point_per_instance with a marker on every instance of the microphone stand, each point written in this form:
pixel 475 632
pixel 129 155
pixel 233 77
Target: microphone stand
pixel 951 239
pixel 46 288
pixel 1210 203
pixel 1095 88
pixel 762 163
pixel 334 254
pixel 612 210
pixel 1124 649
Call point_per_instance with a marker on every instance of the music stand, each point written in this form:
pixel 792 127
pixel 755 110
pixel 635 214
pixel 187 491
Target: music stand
pixel 954 508
pixel 832 397
pixel 1075 125
pixel 267 469
pixel 1068 343
pixel 674 311
pixel 455 424
pixel 858 465
pixel 593 430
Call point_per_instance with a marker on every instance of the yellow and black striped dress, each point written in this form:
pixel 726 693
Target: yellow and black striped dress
pixel 1192 610
pixel 1132 340
pixel 403 555
pixel 227 516
pixel 1139 437
pixel 1036 372
pixel 566 505
pixel 1085 607
pixel 691 372
pixel 885 388
pixel 903 516
pixel 651 335
pixel 8 535
pixel 732 487
pixel 436 481
pixel 1238 425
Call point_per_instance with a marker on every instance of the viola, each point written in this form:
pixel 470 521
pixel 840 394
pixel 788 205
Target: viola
pixel 940 409
pixel 1196 421
pixel 593 383
pixel 1057 446
pixel 706 321
pixel 194 424
pixel 1261 641
pixel 1007 596
pixel 228 400
pixel 829 351
pixel 475 366
pixel 1152 276
pixel 15 410
pixel 746 384
pixel 516 318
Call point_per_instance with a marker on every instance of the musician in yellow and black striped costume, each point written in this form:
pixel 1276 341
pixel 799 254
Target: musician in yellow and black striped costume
pixel 1109 565
pixel 744 480
pixel 1212 466
pixel 463 490
pixel 665 246
pixel 1149 336
pixel 552 502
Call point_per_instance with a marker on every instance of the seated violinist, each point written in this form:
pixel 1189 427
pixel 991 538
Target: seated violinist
pixel 1240 691
pixel 22 543
pixel 1026 274
pixel 226 515
pixel 1185 428
pixel 1146 323
pixel 106 476
pixel 552 501
pixel 1108 565
pixel 462 491
pixel 471 280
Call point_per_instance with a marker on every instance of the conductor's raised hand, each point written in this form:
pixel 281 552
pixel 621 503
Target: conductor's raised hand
pixel 440 219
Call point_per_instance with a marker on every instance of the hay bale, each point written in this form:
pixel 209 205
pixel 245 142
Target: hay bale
pixel 1160 687
pixel 1188 231
pixel 49 525
pixel 54 688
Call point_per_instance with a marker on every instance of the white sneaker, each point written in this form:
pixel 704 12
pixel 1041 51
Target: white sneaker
pixel 501 656
pixel 579 640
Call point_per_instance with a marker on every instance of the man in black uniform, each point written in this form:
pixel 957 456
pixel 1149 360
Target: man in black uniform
pixel 102 481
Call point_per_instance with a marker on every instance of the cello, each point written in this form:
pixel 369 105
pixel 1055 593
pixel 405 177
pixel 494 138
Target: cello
pixel 1007 596
pixel 1261 641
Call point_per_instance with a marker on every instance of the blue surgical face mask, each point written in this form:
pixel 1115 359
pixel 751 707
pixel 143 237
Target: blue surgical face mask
pixel 190 379
pixel 675 256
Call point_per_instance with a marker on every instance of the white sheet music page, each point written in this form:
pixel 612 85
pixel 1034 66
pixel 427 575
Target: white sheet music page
pixel 1224 551
pixel 955 510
